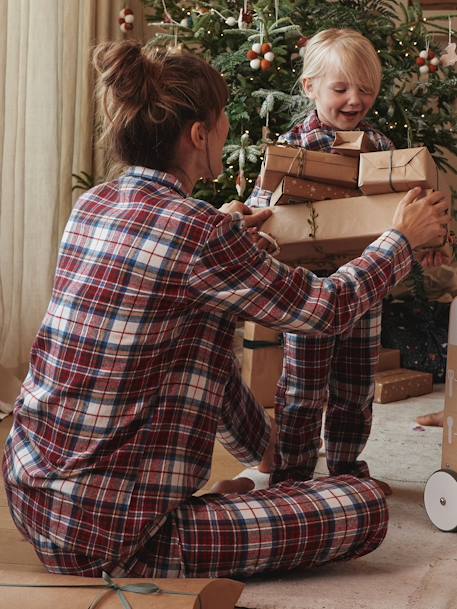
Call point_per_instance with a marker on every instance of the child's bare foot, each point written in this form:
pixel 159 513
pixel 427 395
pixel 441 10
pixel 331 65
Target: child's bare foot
pixel 238 486
pixel 434 419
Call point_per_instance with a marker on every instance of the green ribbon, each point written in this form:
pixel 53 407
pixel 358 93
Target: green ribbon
pixel 110 586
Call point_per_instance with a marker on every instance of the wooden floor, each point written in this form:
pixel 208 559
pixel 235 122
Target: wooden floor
pixel 16 553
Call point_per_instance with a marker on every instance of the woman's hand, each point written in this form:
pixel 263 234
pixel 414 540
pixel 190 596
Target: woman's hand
pixel 422 219
pixel 254 218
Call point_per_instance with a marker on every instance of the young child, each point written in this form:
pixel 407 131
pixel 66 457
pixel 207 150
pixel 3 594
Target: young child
pixel 342 76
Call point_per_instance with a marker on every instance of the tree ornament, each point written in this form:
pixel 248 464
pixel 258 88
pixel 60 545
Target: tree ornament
pixel 240 183
pixel 244 19
pixel 230 21
pixel 255 56
pixel 187 21
pixel 427 60
pixel 449 57
pixel 126 19
pixel 302 42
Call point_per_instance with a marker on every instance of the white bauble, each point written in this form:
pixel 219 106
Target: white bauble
pixel 434 61
pixel 269 56
pixel 255 64
pixel 257 48
pixel 423 54
pixel 230 21
pixel 423 69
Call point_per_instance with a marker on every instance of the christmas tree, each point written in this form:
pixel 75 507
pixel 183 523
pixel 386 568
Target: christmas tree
pixel 257 47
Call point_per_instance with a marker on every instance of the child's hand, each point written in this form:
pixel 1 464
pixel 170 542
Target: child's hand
pixel 433 258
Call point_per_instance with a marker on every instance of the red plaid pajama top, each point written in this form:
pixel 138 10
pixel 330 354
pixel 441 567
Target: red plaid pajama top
pixel 115 423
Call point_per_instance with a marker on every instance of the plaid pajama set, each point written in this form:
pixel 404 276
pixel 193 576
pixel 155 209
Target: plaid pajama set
pixel 133 375
pixel 318 370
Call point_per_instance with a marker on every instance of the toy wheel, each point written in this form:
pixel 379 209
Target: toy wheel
pixel 440 499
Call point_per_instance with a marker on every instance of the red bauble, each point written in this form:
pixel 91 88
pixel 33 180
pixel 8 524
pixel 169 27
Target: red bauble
pixel 265 65
pixel 128 11
pixel 420 61
pixel 247 17
pixel 430 55
pixel 432 68
pixel 121 20
pixel 251 55
pixel 302 41
pixel 266 47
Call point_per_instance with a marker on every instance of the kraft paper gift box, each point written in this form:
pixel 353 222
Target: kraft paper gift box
pixel 329 230
pixel 321 230
pixel 397 171
pixel 282 159
pixel 389 359
pixel 400 384
pixel 48 591
pixel 262 362
pixel 296 190
pixel 352 143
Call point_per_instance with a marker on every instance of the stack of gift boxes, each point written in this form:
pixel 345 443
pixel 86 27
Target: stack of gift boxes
pixel 327 208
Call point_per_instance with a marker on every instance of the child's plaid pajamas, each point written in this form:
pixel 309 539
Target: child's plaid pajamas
pixel 318 370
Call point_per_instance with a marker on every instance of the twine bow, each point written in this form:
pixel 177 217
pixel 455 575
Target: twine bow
pixel 109 586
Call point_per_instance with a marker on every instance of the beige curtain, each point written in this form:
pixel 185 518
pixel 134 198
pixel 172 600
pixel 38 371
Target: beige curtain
pixel 46 134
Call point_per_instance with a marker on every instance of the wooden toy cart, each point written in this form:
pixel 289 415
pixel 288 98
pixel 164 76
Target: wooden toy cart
pixel 440 495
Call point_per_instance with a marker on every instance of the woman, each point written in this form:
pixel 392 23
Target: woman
pixel 132 372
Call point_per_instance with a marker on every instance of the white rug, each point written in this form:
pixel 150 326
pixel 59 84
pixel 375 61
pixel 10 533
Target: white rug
pixel 416 566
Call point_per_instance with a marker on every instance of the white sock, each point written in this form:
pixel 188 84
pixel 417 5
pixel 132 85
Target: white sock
pixel 260 479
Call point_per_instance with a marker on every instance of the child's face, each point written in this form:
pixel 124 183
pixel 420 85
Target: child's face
pixel 340 104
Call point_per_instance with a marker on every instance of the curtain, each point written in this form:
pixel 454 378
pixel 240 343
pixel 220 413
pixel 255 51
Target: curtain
pixel 47 132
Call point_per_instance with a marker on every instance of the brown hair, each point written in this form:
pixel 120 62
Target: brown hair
pixel 149 95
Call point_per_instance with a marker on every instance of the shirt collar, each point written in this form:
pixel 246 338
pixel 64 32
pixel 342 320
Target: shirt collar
pixel 159 177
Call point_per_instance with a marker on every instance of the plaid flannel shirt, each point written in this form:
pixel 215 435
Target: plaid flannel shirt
pixel 312 134
pixel 115 423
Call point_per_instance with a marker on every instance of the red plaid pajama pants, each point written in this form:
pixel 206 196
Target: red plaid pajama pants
pixel 337 371
pixel 289 525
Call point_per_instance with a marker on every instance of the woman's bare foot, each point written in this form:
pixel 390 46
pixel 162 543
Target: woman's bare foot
pixel 434 419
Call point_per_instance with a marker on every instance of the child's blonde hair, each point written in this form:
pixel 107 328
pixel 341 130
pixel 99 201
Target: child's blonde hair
pixel 349 51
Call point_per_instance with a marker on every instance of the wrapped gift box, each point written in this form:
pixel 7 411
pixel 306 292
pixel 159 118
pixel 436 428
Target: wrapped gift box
pixel 282 159
pixel 389 359
pixel 296 190
pixel 397 171
pixel 262 361
pixel 44 591
pixel 399 384
pixel 327 230
pixel 352 143
pixel 324 229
